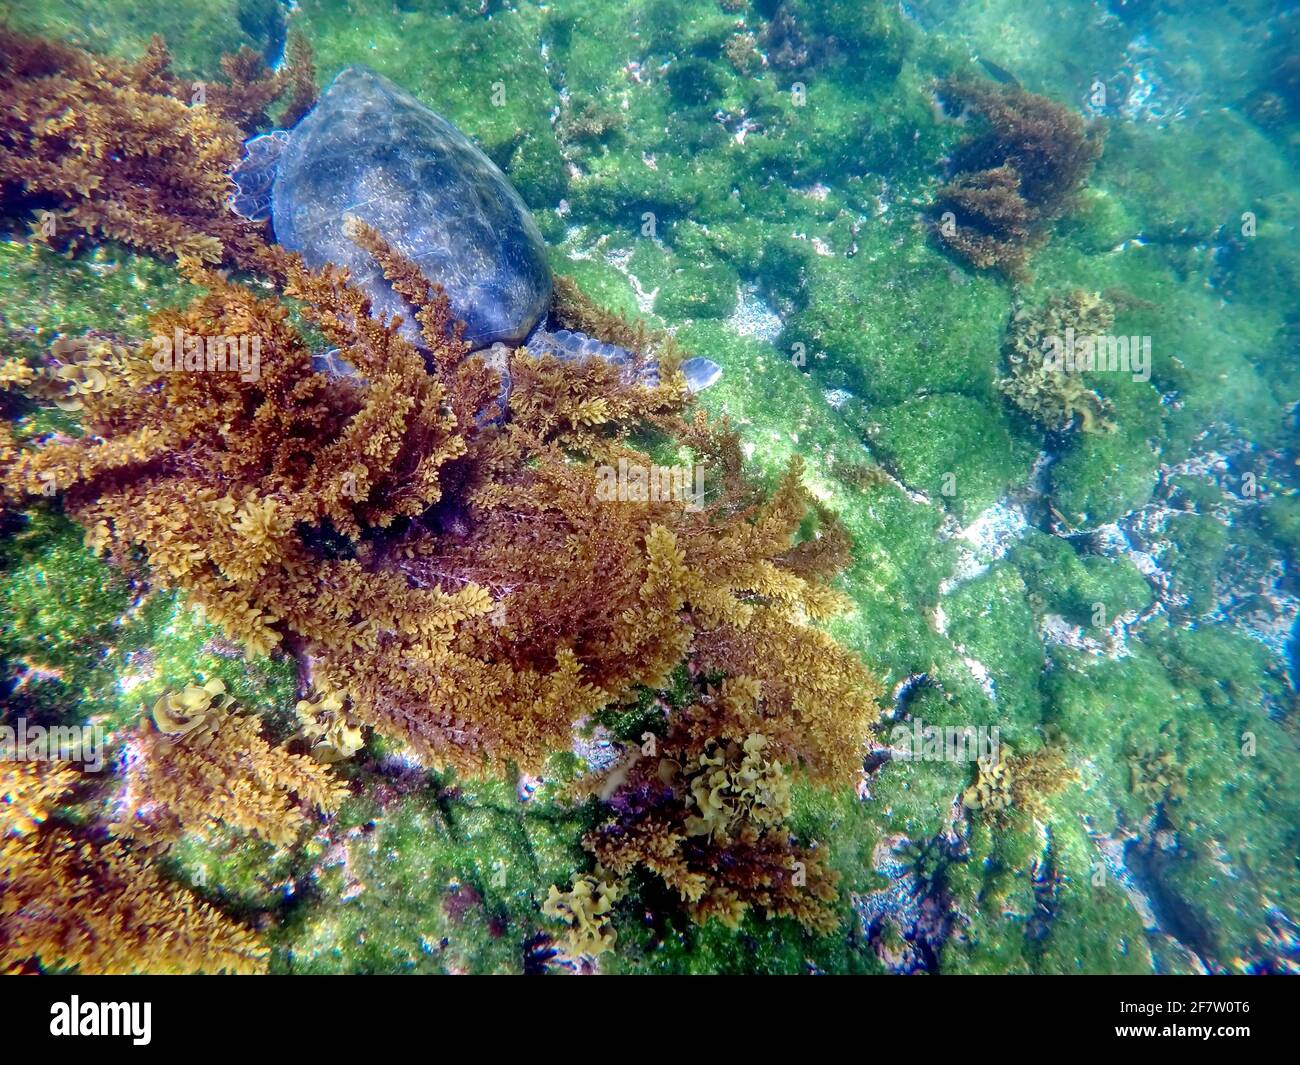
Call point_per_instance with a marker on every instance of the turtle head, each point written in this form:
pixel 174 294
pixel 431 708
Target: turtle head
pixel 700 373
pixel 254 175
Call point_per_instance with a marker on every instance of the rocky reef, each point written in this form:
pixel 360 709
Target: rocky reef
pixel 470 719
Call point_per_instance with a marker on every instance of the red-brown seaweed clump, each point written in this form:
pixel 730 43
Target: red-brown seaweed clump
pixel 1014 179
pixel 95 147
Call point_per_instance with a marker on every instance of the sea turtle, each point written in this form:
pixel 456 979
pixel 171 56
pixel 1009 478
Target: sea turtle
pixel 370 150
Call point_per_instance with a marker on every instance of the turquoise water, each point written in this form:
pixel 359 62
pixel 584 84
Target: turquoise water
pixel 1093 560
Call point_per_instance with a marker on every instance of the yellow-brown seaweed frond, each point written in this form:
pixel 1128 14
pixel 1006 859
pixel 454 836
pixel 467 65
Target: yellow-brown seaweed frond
pixel 334 734
pixel 105 148
pixel 1155 774
pixel 587 121
pixel 991 223
pixel 1018 783
pixel 76 369
pixel 734 784
pixel 29 791
pixel 194 713
pixel 249 89
pixel 707 815
pixel 1040 775
pixel 99 909
pixel 15 373
pixel 992 788
pixel 298 77
pixel 585 908
pixel 70 901
pixel 1016 177
pixel 196 765
pixel 1042 382
pixel 464 584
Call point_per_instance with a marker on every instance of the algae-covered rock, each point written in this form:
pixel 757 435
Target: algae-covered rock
pixel 1281 517
pixel 1092 590
pixel 954 449
pixel 1101 478
pixel 993 627
pixel 698 292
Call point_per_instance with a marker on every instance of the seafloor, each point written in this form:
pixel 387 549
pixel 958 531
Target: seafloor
pixel 1126 596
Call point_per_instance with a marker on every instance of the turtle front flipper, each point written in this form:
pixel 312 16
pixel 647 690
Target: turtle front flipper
pixel 254 175
pixel 333 364
pixel 570 346
pixel 573 346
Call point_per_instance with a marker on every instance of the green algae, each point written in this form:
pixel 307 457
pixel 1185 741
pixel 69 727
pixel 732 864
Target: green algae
pixel 1091 590
pixel 953 448
pixel 89 646
pixel 1233 756
pixel 423 873
pixel 108 291
pixel 993 623
pixel 1102 478
pixel 1042 903
pixel 698 292
pixel 197 32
